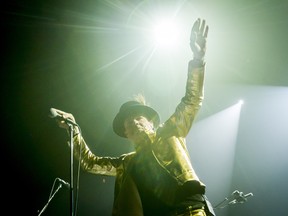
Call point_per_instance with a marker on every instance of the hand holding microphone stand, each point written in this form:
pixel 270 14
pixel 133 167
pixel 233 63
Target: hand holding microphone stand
pixel 59 115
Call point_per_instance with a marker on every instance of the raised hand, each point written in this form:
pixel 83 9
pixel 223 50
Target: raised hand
pixel 198 38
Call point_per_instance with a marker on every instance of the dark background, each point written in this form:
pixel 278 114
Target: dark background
pixel 88 57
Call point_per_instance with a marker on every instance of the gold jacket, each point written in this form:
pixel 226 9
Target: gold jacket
pixel 168 148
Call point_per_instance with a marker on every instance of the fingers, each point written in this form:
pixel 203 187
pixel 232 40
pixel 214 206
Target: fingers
pixel 199 28
pixel 202 27
pixel 206 31
pixel 196 25
pixel 194 30
pixel 199 33
pixel 65 115
pixel 62 124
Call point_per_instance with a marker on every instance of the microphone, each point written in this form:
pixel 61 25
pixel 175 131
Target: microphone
pixel 239 197
pixel 247 195
pixel 235 193
pixel 58 114
pixel 62 182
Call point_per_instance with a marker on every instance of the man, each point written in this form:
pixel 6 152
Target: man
pixel 157 178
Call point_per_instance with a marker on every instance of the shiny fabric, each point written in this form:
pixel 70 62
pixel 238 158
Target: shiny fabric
pixel 168 147
pixel 196 212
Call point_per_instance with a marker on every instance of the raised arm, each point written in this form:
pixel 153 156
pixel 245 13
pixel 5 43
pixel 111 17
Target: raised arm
pixel 181 121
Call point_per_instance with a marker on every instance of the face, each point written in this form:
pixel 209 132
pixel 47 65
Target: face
pixel 137 129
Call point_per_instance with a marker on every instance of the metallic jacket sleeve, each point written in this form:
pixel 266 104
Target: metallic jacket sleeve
pixel 95 164
pixel 181 121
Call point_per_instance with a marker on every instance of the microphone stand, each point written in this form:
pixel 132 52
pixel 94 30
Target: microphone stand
pixel 58 114
pixel 222 204
pixel 235 198
pixel 71 170
pixel 50 198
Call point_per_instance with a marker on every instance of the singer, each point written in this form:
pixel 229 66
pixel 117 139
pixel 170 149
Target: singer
pixel 157 178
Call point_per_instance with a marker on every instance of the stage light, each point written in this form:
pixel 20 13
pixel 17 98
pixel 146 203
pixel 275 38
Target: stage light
pixel 166 33
pixel 240 102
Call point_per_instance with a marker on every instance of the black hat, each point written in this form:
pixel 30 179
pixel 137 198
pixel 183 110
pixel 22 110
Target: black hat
pixel 131 108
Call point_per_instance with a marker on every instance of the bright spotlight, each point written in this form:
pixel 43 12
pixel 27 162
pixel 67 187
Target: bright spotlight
pixel 166 33
pixel 240 102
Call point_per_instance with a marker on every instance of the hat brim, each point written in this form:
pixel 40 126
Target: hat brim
pixel 137 109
